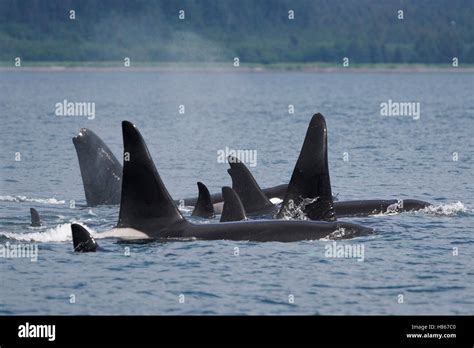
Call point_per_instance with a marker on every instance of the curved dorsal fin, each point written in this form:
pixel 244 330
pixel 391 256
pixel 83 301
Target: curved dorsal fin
pixel 145 202
pixel 101 172
pixel 245 185
pixel 82 239
pixel 310 188
pixel 35 218
pixel 203 207
pixel 233 208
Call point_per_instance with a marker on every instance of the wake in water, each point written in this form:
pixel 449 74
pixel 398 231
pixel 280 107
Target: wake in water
pixel 60 233
pixel 448 209
pixel 9 198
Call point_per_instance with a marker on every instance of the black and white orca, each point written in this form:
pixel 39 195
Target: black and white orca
pixel 148 211
pixel 307 190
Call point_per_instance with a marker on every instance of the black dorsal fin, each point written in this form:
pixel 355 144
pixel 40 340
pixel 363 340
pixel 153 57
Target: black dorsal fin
pixel 245 185
pixel 82 239
pixel 203 207
pixel 310 187
pixel 145 202
pixel 35 218
pixel 233 209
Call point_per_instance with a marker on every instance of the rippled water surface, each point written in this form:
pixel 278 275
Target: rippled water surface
pixel 427 257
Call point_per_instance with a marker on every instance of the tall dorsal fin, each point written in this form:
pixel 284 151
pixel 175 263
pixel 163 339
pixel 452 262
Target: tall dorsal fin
pixel 310 187
pixel 203 207
pixel 101 172
pixel 35 218
pixel 245 185
pixel 145 202
pixel 233 208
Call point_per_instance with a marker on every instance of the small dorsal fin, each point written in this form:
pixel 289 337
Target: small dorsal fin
pixel 233 209
pixel 82 239
pixel 246 187
pixel 310 187
pixel 203 207
pixel 145 202
pixel 35 218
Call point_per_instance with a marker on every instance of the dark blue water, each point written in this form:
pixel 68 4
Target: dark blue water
pixel 427 257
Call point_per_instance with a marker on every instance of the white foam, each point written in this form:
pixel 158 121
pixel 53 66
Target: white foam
pixel 60 233
pixel 9 198
pixel 339 233
pixel 448 209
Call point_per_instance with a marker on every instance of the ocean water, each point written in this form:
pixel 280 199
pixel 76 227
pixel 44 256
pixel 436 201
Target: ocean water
pixel 415 263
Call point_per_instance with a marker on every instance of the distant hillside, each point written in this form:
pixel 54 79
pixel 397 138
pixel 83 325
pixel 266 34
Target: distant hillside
pixel 258 31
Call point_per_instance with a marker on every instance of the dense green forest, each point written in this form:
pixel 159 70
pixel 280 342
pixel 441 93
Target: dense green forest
pixel 257 31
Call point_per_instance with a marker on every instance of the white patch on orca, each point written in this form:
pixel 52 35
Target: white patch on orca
pixel 276 200
pixel 123 233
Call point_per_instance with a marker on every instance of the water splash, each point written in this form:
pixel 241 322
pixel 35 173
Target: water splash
pixel 9 198
pixel 60 233
pixel 394 208
pixel 448 209
pixel 339 233
pixel 296 212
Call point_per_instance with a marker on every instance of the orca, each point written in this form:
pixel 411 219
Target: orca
pixel 203 207
pixel 217 199
pixel 102 173
pixel 352 208
pixel 82 240
pixel 367 207
pixel 233 209
pixel 100 170
pixel 146 208
pixel 302 189
pixel 35 218
pixel 253 199
pixel 309 191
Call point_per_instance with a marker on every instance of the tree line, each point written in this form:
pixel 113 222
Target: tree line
pixel 263 31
